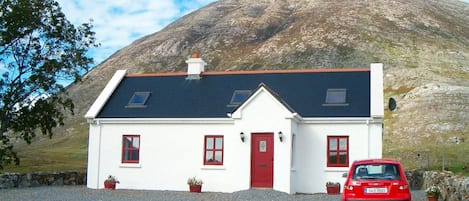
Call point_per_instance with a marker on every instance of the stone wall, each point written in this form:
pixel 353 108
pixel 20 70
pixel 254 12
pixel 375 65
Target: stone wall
pixel 415 179
pixel 453 187
pixel 17 180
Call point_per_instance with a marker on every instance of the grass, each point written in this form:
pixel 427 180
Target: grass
pixel 457 169
pixel 61 153
pixel 433 154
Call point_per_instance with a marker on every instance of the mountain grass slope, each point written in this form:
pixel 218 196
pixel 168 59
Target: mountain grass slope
pixel 424 45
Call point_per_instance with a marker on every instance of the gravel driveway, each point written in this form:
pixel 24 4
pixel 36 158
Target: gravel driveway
pixel 79 193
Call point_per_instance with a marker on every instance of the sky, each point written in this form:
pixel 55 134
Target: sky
pixel 118 23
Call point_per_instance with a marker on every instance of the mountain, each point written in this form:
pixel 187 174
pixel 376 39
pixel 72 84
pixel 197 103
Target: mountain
pixel 424 45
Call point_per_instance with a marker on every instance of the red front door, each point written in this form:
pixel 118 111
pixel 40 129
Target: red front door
pixel 262 160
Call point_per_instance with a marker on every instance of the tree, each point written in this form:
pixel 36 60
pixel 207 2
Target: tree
pixel 39 49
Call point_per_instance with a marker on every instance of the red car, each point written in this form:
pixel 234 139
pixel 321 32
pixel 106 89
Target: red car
pixel 376 179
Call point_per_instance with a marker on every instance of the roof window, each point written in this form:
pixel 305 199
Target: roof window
pixel 239 96
pixel 336 97
pixel 139 99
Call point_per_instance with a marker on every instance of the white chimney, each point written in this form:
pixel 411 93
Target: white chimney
pixel 195 67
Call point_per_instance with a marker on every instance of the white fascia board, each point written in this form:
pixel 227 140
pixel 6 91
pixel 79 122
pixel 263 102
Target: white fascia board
pixel 295 117
pixel 340 120
pixel 163 121
pixel 376 90
pixel 238 113
pixel 105 94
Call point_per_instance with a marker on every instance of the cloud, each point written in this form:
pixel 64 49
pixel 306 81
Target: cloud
pixel 119 22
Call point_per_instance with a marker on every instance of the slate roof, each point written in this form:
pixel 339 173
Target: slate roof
pixel 304 91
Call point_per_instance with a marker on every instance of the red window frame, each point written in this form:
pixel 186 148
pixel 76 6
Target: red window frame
pixel 337 152
pixel 130 149
pixel 210 151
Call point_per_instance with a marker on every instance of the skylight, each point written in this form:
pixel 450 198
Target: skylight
pixel 239 96
pixel 336 97
pixel 138 99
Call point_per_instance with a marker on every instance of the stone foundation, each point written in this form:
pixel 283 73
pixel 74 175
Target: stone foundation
pixel 17 180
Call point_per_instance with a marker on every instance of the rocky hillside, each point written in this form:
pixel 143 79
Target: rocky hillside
pixel 424 45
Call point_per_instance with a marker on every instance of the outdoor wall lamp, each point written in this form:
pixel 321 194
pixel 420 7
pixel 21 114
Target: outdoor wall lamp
pixel 280 136
pixel 241 135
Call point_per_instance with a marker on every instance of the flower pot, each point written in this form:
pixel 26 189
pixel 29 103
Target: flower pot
pixel 432 197
pixel 110 185
pixel 333 189
pixel 195 188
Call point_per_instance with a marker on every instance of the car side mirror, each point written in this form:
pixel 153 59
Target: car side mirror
pixel 345 175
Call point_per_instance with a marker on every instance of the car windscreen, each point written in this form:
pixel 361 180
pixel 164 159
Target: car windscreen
pixel 376 171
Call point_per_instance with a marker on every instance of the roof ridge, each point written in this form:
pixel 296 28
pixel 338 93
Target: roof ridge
pixel 317 70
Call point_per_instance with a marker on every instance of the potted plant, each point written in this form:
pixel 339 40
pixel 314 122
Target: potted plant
pixel 110 182
pixel 433 192
pixel 195 185
pixel 333 187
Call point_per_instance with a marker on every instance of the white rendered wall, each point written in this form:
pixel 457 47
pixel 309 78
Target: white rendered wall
pixel 263 113
pixel 376 139
pixel 311 162
pixel 293 143
pixel 93 159
pixel 170 153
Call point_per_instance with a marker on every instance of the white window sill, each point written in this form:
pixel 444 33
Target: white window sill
pixel 337 169
pixel 213 167
pixel 130 165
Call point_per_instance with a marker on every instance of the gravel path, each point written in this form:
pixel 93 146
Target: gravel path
pixel 79 193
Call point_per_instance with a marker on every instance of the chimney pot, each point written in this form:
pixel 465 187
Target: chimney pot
pixel 195 55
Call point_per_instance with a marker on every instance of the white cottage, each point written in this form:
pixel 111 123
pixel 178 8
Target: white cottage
pixel 288 130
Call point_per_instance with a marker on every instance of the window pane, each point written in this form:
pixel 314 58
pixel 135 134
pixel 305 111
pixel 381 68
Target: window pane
pixel 343 144
pixel 126 155
pixel 343 158
pixel 136 142
pixel 135 155
pixel 332 144
pixel 218 156
pixel 239 96
pixel 127 141
pixel 335 96
pixel 332 157
pixel 139 98
pixel 208 156
pixel 209 143
pixel 218 143
pixel 263 146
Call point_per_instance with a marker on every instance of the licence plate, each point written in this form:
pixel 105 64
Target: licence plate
pixel 376 190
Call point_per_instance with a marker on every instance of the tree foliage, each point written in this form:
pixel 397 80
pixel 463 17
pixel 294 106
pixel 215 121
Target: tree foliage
pixel 39 49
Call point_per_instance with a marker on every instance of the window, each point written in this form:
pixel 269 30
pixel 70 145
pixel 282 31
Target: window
pixel 213 154
pixel 337 151
pixel 239 96
pixel 383 171
pixel 139 99
pixel 130 149
pixel 336 97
